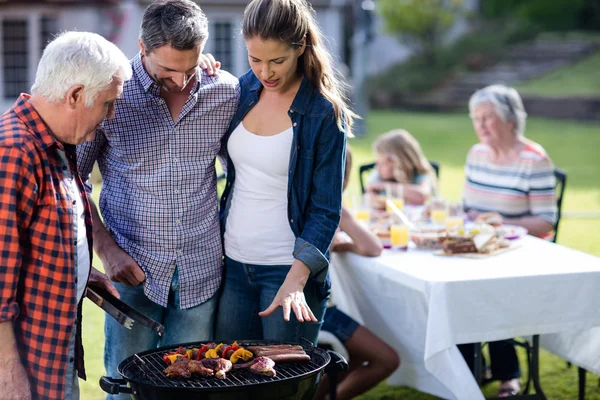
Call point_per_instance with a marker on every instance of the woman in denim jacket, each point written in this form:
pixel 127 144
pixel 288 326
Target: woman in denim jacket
pixel 285 165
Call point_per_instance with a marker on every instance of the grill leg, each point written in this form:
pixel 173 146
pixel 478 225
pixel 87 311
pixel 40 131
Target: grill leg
pixel 332 383
pixel 337 364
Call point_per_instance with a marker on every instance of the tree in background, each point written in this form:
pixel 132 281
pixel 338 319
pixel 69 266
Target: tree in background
pixel 421 24
pixel 555 15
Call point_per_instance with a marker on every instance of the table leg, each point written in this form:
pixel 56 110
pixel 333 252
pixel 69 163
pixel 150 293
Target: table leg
pixel 581 373
pixel 477 370
pixel 535 366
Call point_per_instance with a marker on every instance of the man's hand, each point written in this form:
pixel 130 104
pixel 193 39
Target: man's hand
pixel 121 267
pixel 13 380
pixel 100 280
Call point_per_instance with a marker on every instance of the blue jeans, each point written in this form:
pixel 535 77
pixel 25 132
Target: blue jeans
pixel 248 289
pixel 192 324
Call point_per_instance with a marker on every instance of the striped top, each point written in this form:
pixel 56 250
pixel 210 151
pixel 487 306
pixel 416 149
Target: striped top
pixel 525 187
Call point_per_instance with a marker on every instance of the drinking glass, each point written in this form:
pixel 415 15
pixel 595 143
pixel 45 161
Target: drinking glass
pixel 439 210
pixel 394 192
pixel 454 220
pixel 399 234
pixel 362 208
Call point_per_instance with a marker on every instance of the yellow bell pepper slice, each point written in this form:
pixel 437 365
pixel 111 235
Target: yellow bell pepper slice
pixel 240 353
pixel 212 353
pixel 174 357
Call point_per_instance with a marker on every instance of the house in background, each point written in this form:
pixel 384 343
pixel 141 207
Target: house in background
pixel 26 26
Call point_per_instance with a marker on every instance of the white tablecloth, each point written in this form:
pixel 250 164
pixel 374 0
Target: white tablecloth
pixel 423 305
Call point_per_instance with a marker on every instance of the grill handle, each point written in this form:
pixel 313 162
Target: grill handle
pixel 337 364
pixel 114 385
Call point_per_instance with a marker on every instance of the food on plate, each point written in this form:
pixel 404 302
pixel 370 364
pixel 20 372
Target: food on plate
pixel 428 236
pixel 511 232
pixel 481 239
pixel 490 218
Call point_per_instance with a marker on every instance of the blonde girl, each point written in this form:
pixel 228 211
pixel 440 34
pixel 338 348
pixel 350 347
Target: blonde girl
pixel 399 159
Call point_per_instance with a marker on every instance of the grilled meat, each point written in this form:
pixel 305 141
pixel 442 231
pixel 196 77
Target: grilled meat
pixel 197 368
pixel 290 358
pixel 281 353
pixel 259 366
pixel 263 366
pixel 220 366
pixel 179 369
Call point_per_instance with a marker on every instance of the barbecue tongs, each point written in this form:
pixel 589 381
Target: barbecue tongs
pixel 124 314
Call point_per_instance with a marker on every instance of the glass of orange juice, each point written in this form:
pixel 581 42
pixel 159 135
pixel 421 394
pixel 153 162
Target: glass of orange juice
pixel 395 193
pixel 454 220
pixel 439 210
pixel 399 234
pixel 362 208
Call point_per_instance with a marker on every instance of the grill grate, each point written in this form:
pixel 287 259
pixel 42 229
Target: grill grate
pixel 147 368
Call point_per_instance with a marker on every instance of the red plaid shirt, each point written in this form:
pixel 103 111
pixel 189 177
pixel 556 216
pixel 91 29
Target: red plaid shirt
pixel 37 261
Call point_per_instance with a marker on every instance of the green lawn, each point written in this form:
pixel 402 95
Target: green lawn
pixel 580 79
pixel 446 138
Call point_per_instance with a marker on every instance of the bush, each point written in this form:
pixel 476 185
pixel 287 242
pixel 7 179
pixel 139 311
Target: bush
pixel 555 15
pixel 417 75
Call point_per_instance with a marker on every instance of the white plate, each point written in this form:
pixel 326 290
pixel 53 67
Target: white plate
pixel 512 232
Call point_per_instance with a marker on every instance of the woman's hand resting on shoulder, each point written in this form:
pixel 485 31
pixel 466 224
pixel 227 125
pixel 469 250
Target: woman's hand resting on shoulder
pixel 208 63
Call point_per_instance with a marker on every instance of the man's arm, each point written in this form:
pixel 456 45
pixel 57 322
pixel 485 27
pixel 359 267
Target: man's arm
pixel 119 266
pixel 18 191
pixel 13 377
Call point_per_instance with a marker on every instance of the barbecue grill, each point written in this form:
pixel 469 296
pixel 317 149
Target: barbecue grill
pixel 143 377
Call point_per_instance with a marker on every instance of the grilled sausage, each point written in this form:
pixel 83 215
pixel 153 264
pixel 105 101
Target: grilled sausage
pixel 290 358
pixel 277 351
pixel 253 349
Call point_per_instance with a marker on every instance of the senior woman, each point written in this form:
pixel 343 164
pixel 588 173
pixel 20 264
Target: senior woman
pixel 506 173
pixel 510 179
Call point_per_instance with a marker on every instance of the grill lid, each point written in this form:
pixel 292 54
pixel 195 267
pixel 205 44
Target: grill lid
pixel 147 368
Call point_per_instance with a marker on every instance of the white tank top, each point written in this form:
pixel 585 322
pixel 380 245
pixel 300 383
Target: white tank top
pixel 257 229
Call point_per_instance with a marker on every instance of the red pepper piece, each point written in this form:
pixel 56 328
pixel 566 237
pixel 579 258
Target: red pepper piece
pixel 201 351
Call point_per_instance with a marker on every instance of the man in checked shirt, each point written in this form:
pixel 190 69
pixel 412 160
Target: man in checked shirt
pixel 161 239
pixel 45 217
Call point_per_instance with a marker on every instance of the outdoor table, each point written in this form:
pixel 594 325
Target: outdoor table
pixel 423 305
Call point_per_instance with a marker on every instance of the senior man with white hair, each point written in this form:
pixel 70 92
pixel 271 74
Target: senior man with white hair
pixel 45 217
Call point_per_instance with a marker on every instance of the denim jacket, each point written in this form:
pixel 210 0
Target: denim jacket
pixel 315 176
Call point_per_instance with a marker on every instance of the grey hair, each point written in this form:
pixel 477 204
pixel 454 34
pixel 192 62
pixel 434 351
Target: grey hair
pixel 180 24
pixel 79 58
pixel 507 103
